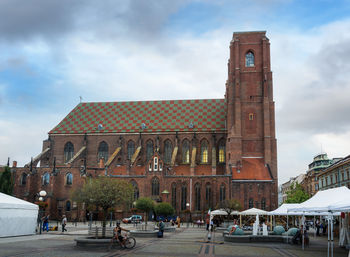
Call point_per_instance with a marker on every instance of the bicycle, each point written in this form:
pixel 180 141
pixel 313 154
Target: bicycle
pixel 130 242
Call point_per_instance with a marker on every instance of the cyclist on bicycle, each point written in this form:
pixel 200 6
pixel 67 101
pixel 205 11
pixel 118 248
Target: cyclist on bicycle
pixel 118 234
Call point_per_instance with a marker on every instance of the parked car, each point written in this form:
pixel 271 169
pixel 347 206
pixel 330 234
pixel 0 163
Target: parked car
pixel 133 219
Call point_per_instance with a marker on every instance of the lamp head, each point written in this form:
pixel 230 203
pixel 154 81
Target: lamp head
pixel 42 193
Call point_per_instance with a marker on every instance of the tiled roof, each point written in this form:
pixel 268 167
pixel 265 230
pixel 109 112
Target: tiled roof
pixel 158 116
pixel 252 169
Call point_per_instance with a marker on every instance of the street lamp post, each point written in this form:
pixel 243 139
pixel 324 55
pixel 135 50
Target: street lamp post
pixel 42 194
pixel 187 207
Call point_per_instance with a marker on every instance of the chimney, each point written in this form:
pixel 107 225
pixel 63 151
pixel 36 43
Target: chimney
pixel 14 164
pixel 102 163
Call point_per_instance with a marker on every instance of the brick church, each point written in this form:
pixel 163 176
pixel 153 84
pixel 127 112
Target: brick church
pixel 190 153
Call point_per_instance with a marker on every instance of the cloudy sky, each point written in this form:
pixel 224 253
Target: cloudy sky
pixel 52 52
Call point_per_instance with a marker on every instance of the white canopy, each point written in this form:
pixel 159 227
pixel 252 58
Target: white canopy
pixel 254 211
pixel 17 217
pixel 222 212
pixel 283 210
pixel 331 200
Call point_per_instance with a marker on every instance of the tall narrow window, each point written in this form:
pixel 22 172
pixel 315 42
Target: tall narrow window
pixel 222 152
pixel 185 151
pixel 197 191
pixel 69 179
pixel 24 179
pixel 155 163
pixel 136 190
pixel 68 151
pixel 68 206
pixel 251 116
pixel 183 197
pixel 168 148
pixel 46 179
pixel 173 195
pixel 103 151
pixel 131 149
pixel 263 204
pixel 155 186
pixel 208 196
pixel 149 150
pixel 222 193
pixel 204 151
pixel 251 203
pixel 249 59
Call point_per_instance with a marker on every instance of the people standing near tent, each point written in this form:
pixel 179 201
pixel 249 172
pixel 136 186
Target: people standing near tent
pixel 64 223
pixel 317 227
pixel 46 223
pixel 178 221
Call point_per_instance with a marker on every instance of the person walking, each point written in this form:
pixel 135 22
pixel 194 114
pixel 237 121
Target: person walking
pixel 64 223
pixel 46 223
pixel 161 228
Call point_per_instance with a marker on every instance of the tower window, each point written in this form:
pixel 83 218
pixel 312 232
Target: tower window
pixel 251 116
pixel 249 59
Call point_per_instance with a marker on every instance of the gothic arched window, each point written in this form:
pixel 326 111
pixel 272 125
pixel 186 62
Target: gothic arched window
pixel 149 149
pixel 173 195
pixel 46 179
pixel 69 179
pixel 197 197
pixel 251 203
pixel 222 151
pixel 222 193
pixel 168 149
pixel 131 149
pixel 155 186
pixel 136 190
pixel 68 151
pixel 183 197
pixel 103 151
pixel 204 151
pixel 68 206
pixel 208 196
pixel 249 59
pixel 185 151
pixel 263 204
pixel 24 179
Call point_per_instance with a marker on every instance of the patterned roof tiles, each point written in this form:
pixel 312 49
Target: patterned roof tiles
pixel 158 116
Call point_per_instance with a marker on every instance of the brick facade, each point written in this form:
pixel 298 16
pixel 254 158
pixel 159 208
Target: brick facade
pixel 243 125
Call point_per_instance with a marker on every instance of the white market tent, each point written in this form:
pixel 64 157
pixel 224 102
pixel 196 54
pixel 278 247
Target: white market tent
pixel 283 210
pixel 331 200
pixel 17 217
pixel 222 212
pixel 254 211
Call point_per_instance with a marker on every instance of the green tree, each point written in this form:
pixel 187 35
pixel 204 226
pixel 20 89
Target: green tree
pixel 229 205
pixel 296 194
pixel 6 181
pixel 164 209
pixel 104 193
pixel 145 204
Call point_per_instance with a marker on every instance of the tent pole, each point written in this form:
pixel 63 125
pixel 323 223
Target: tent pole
pixel 332 242
pixel 314 225
pixel 287 228
pixel 303 229
pixel 328 244
pixel 240 220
